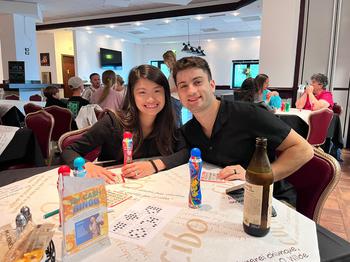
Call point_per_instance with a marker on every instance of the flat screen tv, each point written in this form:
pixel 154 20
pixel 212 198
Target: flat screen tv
pixel 110 57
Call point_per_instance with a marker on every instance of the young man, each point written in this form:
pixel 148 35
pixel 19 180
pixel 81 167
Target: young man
pixel 95 81
pixel 225 132
pixel 76 101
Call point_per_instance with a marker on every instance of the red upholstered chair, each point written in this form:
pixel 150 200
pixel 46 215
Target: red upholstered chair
pixel 12 97
pixel 72 136
pixel 30 108
pixel 319 124
pixel 35 97
pixel 63 120
pixel 314 182
pixel 42 124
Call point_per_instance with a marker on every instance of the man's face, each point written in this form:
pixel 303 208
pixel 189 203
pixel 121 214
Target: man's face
pixel 95 81
pixel 195 90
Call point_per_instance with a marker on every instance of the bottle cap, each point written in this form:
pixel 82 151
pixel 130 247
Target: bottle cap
pixel 127 135
pixel 64 170
pixel 21 220
pixel 261 141
pixel 196 152
pixel 26 212
pixel 79 162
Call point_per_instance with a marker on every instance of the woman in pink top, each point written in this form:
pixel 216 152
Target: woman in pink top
pixel 315 96
pixel 106 97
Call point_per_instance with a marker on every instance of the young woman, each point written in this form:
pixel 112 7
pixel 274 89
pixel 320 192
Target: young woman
pixel 271 98
pixel 107 97
pixel 147 113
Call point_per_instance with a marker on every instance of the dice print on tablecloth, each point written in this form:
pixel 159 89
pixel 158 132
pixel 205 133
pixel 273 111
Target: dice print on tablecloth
pixel 150 221
pixel 151 210
pixel 131 216
pixel 138 233
pixel 119 226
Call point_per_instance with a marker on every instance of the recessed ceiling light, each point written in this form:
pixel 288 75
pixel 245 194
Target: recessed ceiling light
pixel 89 32
pixel 235 13
pixel 88 28
pixel 258 37
pixel 112 26
pixel 198 17
pixel 209 40
pixel 138 23
pixel 108 36
pixel 167 21
pixel 123 40
pixel 232 38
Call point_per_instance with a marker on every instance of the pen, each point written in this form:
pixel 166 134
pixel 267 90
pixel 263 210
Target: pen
pixel 52 213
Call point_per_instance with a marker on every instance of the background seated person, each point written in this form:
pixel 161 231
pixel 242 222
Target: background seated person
pixel 76 101
pixel 250 93
pixel 52 97
pixel 316 96
pixel 271 98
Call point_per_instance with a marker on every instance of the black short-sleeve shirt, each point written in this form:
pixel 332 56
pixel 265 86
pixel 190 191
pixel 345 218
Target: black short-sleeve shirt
pixel 233 137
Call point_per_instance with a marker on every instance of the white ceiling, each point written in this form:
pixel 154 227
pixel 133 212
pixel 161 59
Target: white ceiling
pixel 215 25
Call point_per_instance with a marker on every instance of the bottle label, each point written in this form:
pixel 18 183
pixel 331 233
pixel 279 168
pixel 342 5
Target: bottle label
pixel 253 205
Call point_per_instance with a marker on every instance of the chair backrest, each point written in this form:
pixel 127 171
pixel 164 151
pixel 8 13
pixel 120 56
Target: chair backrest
pixel 313 183
pixel 42 124
pixel 72 136
pixel 12 97
pixel 63 121
pixel 35 97
pixel 337 109
pixel 30 108
pixel 319 123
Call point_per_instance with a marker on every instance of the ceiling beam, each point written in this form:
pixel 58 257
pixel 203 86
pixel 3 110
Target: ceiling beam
pixel 148 16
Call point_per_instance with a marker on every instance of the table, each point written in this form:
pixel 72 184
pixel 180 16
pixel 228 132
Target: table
pixel 23 149
pixel 223 219
pixel 301 113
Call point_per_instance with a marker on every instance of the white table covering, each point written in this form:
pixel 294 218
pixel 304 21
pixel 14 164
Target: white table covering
pixel 211 233
pixel 302 113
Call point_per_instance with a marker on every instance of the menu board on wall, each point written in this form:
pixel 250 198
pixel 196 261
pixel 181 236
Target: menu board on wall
pixel 16 72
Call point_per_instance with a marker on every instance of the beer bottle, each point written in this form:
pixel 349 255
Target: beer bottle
pixel 258 192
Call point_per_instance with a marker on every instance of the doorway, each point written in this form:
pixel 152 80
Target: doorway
pixel 68 70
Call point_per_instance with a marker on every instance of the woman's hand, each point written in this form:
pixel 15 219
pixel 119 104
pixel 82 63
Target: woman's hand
pixel 232 173
pixel 99 172
pixel 138 169
pixel 310 89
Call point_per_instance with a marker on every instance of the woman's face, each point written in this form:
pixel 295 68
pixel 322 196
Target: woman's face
pixel 149 97
pixel 266 84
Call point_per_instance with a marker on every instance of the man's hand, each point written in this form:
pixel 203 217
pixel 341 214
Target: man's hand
pixel 138 169
pixel 232 173
pixel 99 172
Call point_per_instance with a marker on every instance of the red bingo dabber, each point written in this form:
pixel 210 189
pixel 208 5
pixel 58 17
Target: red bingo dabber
pixel 127 147
pixel 62 171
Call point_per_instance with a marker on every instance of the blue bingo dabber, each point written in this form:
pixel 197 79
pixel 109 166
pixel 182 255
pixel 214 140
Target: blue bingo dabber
pixel 79 170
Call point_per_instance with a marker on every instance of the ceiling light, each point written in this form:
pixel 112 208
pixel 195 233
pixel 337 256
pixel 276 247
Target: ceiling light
pixel 167 21
pixel 232 38
pixel 186 47
pixel 235 13
pixel 89 32
pixel 138 23
pixel 112 26
pixel 258 37
pixel 88 28
pixel 123 40
pixel 198 17
pixel 108 36
pixel 209 40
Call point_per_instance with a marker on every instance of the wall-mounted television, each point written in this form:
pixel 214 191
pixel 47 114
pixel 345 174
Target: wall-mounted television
pixel 110 57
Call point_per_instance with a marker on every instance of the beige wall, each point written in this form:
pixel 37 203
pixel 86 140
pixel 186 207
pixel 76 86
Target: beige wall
pixel 46 44
pixel 63 46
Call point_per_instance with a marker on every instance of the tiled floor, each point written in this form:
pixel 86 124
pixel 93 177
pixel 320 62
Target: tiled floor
pixel 336 214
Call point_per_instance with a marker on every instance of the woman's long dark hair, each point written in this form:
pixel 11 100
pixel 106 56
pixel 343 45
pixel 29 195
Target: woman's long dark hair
pixel 260 80
pixel 164 126
pixel 249 90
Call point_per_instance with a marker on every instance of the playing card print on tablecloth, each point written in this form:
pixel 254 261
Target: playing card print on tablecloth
pixel 142 222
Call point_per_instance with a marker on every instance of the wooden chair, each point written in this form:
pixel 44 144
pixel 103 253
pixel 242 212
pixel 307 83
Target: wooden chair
pixel 12 97
pixel 35 97
pixel 30 108
pixel 319 123
pixel 63 121
pixel 72 136
pixel 314 182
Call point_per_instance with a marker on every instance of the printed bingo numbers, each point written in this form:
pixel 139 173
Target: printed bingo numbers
pixel 142 222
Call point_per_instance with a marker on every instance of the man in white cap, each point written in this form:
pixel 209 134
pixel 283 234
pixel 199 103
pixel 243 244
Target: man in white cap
pixel 76 101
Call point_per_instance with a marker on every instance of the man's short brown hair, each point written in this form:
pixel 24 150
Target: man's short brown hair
pixel 50 91
pixel 191 62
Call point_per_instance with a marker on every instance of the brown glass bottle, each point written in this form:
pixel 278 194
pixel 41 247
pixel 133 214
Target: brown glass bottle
pixel 258 192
